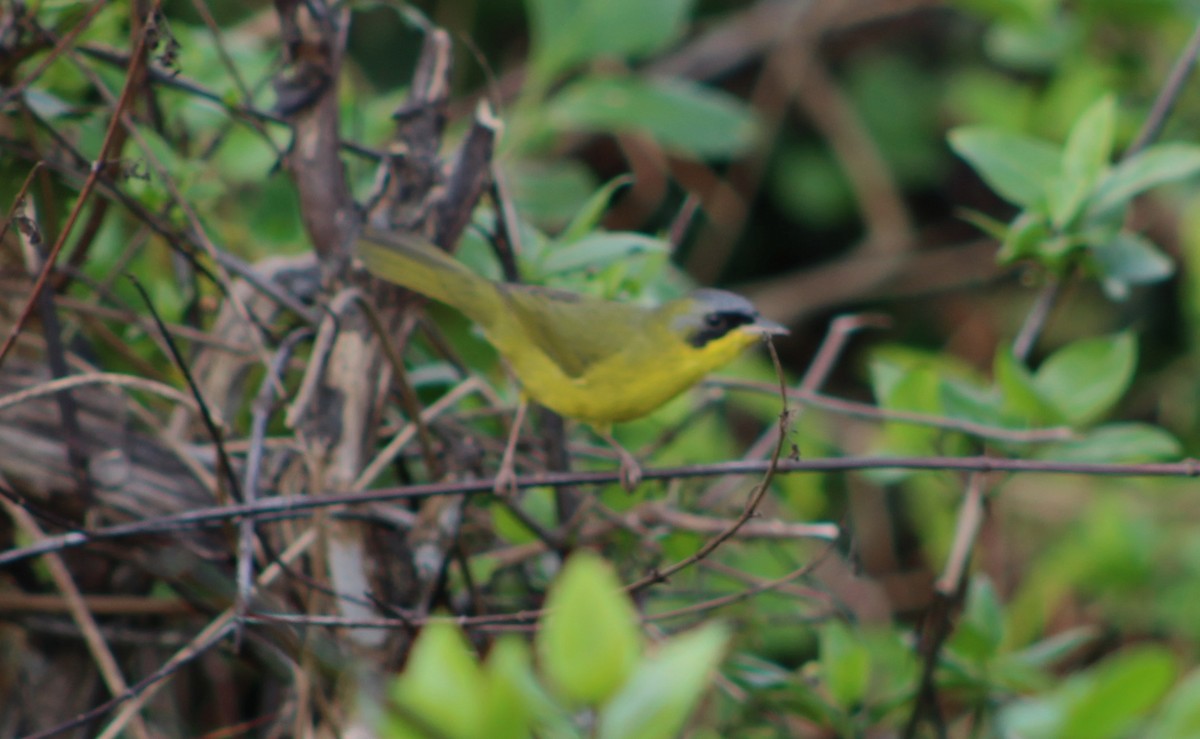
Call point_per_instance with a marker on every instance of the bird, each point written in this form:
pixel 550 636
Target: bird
pixel 584 357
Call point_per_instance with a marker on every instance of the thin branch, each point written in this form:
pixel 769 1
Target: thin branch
pixel 84 619
pixel 101 378
pixel 854 409
pixel 290 507
pixel 1168 96
pixel 752 502
pixel 98 167
pixel 948 593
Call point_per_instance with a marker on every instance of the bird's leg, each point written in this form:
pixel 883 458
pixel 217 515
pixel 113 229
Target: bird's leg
pixel 506 476
pixel 631 470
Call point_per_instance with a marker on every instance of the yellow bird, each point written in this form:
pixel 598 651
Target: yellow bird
pixel 594 360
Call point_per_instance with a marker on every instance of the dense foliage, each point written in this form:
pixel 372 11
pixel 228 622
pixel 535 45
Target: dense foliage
pixel 975 215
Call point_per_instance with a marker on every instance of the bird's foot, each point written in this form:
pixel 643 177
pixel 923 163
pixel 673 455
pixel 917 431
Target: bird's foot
pixel 505 484
pixel 631 471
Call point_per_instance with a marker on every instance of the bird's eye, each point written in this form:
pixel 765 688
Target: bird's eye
pixel 713 320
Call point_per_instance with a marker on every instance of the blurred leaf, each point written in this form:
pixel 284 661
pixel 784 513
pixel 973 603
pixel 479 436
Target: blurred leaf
pixel 1090 143
pixel 589 641
pixel 1065 198
pixel 981 628
pixel 441 685
pixel 684 117
pixel 845 664
pixel 537 504
pixel 1130 259
pixel 990 98
pixel 567 32
pixel 244 157
pixel 593 210
pixel 1025 238
pixel 1103 702
pixel 45 104
pixel 549 193
pixel 1028 670
pixel 511 690
pixel 1023 404
pixel 1032 12
pixel 599 250
pixel 1019 168
pixel 662 692
pixel 1045 653
pixel 898 101
pixel 1120 691
pixel 1179 716
pixel 970 402
pixel 1085 379
pixel 1149 168
pixel 515 699
pixel 808 183
pixel 756 672
pixel 1118 442
pixel 1036 48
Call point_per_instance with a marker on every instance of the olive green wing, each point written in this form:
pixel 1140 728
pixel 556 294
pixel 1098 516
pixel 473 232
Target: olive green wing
pixel 574 331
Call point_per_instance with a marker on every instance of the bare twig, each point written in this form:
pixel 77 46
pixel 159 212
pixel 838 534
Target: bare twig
pixel 275 508
pixel 1167 96
pixel 78 608
pixel 98 167
pixel 948 593
pixel 752 502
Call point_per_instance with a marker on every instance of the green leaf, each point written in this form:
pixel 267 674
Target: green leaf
pixel 549 192
pixel 589 641
pixel 1149 168
pixel 1085 158
pixel 514 699
pixel 1019 168
pixel 599 250
pixel 536 504
pixel 1179 717
pixel 685 117
pixel 1023 404
pixel 1130 259
pixel 1045 653
pixel 1085 379
pixel 1089 145
pixel 845 664
pixel 1021 12
pixel 658 699
pixel 1118 442
pixel 510 690
pixel 1026 237
pixel 1103 702
pixel 968 401
pixel 981 629
pixel 442 686
pixel 593 210
pixel 1121 690
pixel 568 32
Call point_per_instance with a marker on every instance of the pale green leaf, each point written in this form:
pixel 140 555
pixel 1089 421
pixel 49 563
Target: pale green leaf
pixel 1084 380
pixel 656 702
pixel 1019 168
pixel 589 641
pixel 685 117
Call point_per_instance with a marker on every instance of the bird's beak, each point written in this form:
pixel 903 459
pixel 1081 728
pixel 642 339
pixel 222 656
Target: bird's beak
pixel 764 327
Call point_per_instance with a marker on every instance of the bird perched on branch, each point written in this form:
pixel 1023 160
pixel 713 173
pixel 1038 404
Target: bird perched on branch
pixel 594 360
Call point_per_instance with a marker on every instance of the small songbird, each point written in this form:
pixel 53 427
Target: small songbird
pixel 594 360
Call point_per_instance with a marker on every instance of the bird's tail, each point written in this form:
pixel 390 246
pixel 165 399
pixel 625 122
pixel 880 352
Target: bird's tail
pixel 422 267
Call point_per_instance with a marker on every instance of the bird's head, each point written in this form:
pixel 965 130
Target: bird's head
pixel 717 325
